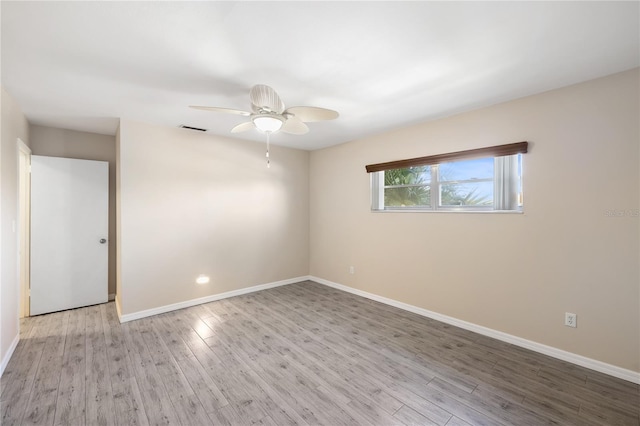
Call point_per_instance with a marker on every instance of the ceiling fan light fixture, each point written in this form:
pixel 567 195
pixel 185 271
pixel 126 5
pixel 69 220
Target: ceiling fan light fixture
pixel 268 123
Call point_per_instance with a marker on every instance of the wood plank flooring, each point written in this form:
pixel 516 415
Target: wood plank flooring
pixel 302 354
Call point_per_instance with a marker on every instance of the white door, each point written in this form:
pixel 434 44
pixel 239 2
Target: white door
pixel 69 228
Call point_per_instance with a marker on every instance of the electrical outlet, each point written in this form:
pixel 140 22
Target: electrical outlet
pixel 570 320
pixel 352 270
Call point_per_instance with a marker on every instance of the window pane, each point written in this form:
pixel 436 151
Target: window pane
pixel 466 194
pixel 459 185
pixel 412 196
pixel 481 168
pixel 408 176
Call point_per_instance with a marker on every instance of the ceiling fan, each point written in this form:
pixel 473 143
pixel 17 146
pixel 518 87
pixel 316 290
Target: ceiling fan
pixel 269 115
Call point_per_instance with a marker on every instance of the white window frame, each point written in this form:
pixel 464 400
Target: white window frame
pixel 378 188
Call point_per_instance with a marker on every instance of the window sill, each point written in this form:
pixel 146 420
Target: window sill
pixel 449 211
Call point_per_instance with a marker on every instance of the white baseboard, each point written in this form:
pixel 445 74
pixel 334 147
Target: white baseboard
pixel 592 364
pixel 193 302
pixel 7 356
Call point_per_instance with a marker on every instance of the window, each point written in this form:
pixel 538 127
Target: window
pixel 453 182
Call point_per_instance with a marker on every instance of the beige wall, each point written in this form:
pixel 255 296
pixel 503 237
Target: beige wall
pixel 14 125
pixel 516 273
pixel 191 203
pixel 54 142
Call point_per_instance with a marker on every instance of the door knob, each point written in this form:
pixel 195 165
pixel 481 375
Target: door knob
pixel 103 240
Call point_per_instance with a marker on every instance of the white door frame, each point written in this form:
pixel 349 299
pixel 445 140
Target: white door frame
pixel 24 227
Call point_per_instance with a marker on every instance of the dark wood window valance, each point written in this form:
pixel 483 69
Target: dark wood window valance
pixel 490 151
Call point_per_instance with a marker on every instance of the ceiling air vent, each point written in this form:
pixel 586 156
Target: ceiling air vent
pixel 182 126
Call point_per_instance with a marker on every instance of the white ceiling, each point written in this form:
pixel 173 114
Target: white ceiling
pixel 83 65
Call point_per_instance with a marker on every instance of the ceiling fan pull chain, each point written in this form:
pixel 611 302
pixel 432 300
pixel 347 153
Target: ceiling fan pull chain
pixel 268 159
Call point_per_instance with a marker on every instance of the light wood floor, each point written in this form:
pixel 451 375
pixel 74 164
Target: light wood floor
pixel 298 354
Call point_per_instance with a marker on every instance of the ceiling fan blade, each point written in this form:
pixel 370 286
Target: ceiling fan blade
pixel 309 114
pixel 243 127
pixel 294 126
pixel 218 109
pixel 264 97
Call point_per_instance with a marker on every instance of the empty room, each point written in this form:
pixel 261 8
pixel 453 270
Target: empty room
pixel 320 213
